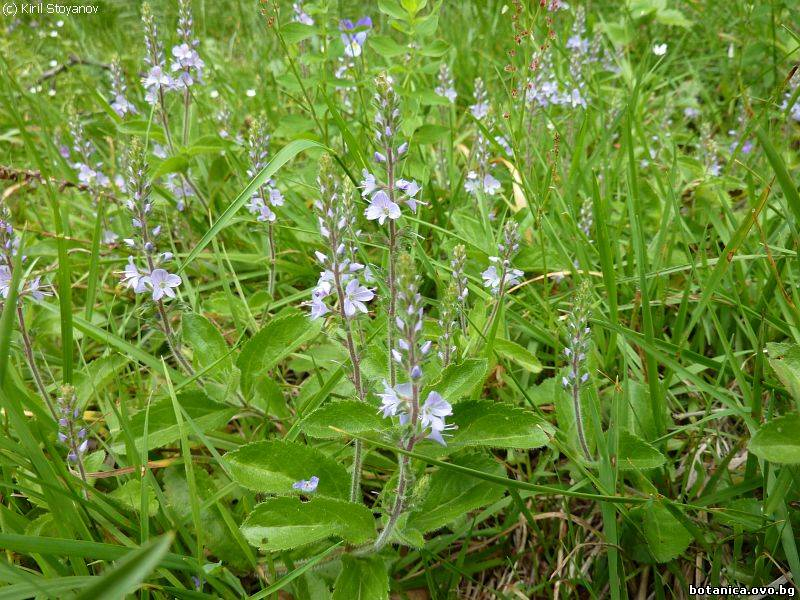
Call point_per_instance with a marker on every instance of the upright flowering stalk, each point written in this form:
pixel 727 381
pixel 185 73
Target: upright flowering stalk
pixel 119 100
pixel 9 247
pixel 586 219
pixel 157 81
pixel 578 333
pixel 86 164
pixel 420 420
pixel 186 61
pixel 446 87
pixel 461 291
pixel 145 272
pixel 340 283
pixel 386 195
pixel 479 179
pixel 501 275
pixel 480 109
pixel 267 195
pixel 70 432
pixel 448 315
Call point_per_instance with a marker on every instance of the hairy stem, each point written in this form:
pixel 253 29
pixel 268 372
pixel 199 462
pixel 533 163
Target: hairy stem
pixel 27 347
pixel 271 284
pixel 397 508
pixel 355 481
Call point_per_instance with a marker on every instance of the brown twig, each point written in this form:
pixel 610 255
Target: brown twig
pixel 72 61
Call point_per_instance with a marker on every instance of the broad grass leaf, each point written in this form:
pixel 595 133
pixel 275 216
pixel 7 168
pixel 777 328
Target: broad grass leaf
pixel 448 495
pixel 273 343
pixel 517 354
pixel 162 426
pixel 351 416
pixel 460 379
pixel 284 523
pixel 634 453
pixel 272 466
pixel 207 344
pixel 497 425
pixel 778 440
pixel 362 579
pixel 127 574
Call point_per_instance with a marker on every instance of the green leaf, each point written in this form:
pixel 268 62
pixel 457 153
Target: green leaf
pixel 785 361
pixel 294 33
pixel 634 453
pixel 431 134
pixel 207 344
pixel 273 466
pixel 173 164
pixel 285 523
pixel 163 426
pixel 386 46
pixel 665 536
pixel 448 495
pixel 126 576
pixel 130 494
pixel 392 8
pixel 458 380
pixel 351 416
pixel 778 440
pixel 362 579
pixel 276 341
pixel 673 17
pixel 496 425
pixel 437 48
pixel 517 354
pixel 283 156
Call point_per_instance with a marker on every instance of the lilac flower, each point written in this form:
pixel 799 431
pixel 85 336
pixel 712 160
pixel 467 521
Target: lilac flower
pixel 307 486
pixel 354 36
pixel 355 295
pixel 334 214
pixel 432 416
pixel 381 207
pixel 186 59
pixel 410 189
pixel 394 401
pixel 133 278
pixel 156 82
pixel 481 107
pixel 300 16
pixel 368 184
pixel 70 433
pixel 119 101
pixel 5 280
pixel 180 189
pixel 498 280
pixel 162 283
pixel 446 89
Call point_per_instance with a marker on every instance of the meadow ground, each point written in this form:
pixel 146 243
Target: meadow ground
pixel 407 298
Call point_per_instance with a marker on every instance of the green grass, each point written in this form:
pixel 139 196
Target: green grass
pixel 688 166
